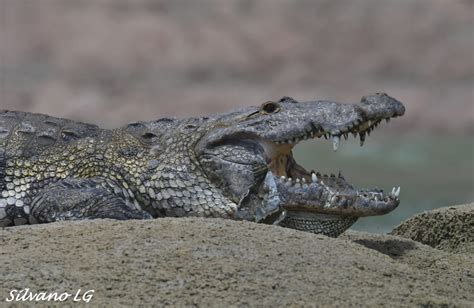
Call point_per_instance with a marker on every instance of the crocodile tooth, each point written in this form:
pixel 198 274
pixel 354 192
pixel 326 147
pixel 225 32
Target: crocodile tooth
pixel 346 135
pixel 393 191
pixel 283 177
pixel 297 180
pixel 335 142
pixel 397 192
pixel 362 138
pixel 303 180
pixel 313 177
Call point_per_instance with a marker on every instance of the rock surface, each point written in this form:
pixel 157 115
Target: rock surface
pixel 449 228
pixel 221 262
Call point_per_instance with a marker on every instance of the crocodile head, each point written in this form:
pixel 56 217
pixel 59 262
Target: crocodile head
pixel 248 155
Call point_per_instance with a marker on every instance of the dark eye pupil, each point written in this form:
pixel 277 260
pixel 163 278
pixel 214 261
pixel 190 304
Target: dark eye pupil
pixel 270 107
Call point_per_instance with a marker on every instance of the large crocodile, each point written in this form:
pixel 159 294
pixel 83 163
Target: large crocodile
pixel 237 165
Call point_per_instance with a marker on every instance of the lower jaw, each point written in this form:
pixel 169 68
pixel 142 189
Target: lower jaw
pixel 329 225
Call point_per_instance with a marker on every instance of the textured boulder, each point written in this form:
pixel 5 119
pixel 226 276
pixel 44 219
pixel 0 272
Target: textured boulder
pixel 449 228
pixel 220 262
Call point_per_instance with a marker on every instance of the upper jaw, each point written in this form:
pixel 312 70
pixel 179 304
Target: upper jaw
pixel 307 120
pixel 336 120
pixel 356 127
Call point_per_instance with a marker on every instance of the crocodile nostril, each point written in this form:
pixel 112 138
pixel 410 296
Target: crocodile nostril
pixel 148 135
pixel 287 99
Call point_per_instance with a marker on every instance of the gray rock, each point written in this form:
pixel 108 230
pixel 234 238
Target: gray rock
pixel 450 228
pixel 189 261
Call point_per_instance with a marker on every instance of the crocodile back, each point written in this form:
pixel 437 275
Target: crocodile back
pixel 25 134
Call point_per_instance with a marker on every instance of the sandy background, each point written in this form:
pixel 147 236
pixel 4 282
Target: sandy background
pixel 111 62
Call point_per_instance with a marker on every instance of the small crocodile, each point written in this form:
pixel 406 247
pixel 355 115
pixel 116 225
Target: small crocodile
pixel 236 165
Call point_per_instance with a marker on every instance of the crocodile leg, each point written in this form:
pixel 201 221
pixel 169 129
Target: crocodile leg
pixel 74 199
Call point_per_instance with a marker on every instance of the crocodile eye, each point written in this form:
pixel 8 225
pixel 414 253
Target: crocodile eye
pixel 270 107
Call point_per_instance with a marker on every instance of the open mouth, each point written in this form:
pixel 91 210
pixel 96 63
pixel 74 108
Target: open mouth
pixel 254 159
pixel 338 191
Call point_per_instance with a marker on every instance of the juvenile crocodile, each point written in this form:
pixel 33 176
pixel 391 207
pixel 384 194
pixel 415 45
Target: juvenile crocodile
pixel 237 165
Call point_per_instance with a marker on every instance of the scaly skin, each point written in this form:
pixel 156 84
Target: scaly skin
pixel 236 165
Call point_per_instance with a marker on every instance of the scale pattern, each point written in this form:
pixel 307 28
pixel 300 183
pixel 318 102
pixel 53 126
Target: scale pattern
pixel 230 165
pixel 37 152
pixel 331 226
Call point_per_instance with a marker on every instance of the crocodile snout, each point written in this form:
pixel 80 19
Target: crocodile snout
pixel 381 105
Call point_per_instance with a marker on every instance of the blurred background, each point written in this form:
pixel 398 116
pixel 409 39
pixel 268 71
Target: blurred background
pixel 110 62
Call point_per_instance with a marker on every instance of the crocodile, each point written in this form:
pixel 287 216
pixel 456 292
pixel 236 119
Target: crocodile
pixel 236 165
